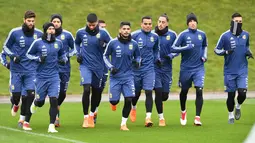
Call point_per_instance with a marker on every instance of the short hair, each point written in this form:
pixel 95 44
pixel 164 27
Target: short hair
pixel 29 14
pixel 101 21
pixel 92 17
pixel 125 23
pixel 164 15
pixel 236 15
pixel 146 17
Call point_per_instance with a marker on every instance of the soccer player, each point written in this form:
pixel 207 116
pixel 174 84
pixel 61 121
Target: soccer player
pixel 22 69
pixel 123 51
pixel 102 23
pixel 89 43
pixel 192 44
pixel 48 52
pixel 163 78
pixel 64 70
pixel 234 46
pixel 148 43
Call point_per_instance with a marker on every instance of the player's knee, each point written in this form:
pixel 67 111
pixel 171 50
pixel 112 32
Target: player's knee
pixel 40 103
pixel 114 102
pixel 16 97
pixel 128 99
pixel 54 102
pixel 86 88
pixel 165 96
pixel 148 92
pixel 242 90
pixel 184 92
pixel 30 93
pixel 199 91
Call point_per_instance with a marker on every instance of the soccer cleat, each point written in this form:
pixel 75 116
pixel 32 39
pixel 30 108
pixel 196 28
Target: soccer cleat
pixel 197 121
pixel 14 110
pixel 57 124
pixel 162 123
pixel 124 128
pixel 20 123
pixel 133 115
pixel 33 108
pixel 114 107
pixel 237 114
pixel 85 123
pixel 91 123
pixel 95 117
pixel 52 129
pixel 231 120
pixel 26 127
pixel 183 118
pixel 148 122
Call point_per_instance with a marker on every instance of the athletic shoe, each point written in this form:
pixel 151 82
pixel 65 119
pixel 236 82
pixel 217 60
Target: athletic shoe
pixel 33 108
pixel 197 121
pixel 133 115
pixel 57 123
pixel 14 110
pixel 20 123
pixel 183 118
pixel 124 128
pixel 237 114
pixel 52 129
pixel 91 123
pixel 85 123
pixel 231 121
pixel 26 127
pixel 148 122
pixel 95 117
pixel 162 123
pixel 114 107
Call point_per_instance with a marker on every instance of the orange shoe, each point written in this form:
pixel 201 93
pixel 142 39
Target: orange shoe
pixel 114 107
pixel 148 122
pixel 162 123
pixel 91 123
pixel 26 127
pixel 57 124
pixel 85 122
pixel 124 128
pixel 133 115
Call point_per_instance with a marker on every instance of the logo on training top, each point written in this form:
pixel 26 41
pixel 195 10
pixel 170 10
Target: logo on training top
pixel 82 79
pixel 85 40
pixel 35 36
pixel 12 86
pixel 110 95
pixel 152 39
pixel 98 35
pixel 62 37
pixel 140 43
pixel 130 46
pixel 168 37
pixel 22 42
pixel 199 37
pixel 244 36
pixel 231 38
pixel 56 45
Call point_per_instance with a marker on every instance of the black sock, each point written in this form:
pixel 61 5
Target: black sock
pixel 85 98
pixel 135 99
pixel 183 98
pixel 165 96
pixel 231 101
pixel 199 100
pixel 95 98
pixel 158 100
pixel 241 95
pixel 61 97
pixel 127 107
pixel 148 101
pixel 16 97
pixel 23 106
pixel 30 99
pixel 53 109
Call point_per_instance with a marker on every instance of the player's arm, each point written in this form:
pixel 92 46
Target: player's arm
pixel 32 52
pixel 177 45
pixel 248 52
pixel 156 49
pixel 62 59
pixel 71 45
pixel 137 56
pixel 172 55
pixel 204 49
pixel 219 49
pixel 77 43
pixel 107 53
pixel 3 59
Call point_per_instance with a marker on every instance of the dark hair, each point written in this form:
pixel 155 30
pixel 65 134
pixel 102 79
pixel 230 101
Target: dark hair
pixel 236 15
pixel 146 17
pixel 92 17
pixel 164 15
pixel 101 21
pixel 29 14
pixel 125 23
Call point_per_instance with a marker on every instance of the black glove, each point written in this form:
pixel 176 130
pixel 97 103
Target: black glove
pixel 42 59
pixel 203 59
pixel 102 44
pixel 136 64
pixel 228 52
pixel 79 59
pixel 114 70
pixel 7 66
pixel 61 62
pixel 16 59
pixel 249 55
pixel 168 57
pixel 158 63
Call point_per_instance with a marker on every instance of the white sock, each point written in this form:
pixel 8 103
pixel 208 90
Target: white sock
pixel 86 116
pixel 96 110
pixel 184 111
pixel 91 114
pixel 230 115
pixel 52 125
pixel 161 116
pixel 238 106
pixel 21 117
pixel 133 107
pixel 26 122
pixel 148 115
pixel 123 121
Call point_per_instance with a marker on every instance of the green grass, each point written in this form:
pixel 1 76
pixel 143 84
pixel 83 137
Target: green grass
pixel 214 118
pixel 213 18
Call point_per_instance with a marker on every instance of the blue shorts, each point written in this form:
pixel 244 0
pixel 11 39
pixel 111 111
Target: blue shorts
pixel 20 81
pixel 163 80
pixel 233 82
pixel 95 78
pixel 144 80
pixel 48 87
pixel 64 80
pixel 186 78
pixel 124 86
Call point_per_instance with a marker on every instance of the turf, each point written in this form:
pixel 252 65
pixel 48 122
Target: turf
pixel 214 118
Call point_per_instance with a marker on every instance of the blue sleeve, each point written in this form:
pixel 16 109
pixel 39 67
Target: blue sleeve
pixel 108 37
pixel 107 53
pixel 248 45
pixel 204 47
pixel 62 53
pixel 177 45
pixel 32 51
pixel 10 40
pixel 137 54
pixel 3 58
pixel 71 45
pixel 173 55
pixel 77 43
pixel 156 49
pixel 219 47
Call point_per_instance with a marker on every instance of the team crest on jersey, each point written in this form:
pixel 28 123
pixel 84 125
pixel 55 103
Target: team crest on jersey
pixel 231 38
pixel 130 47
pixel 152 39
pixel 82 79
pixel 98 35
pixel 35 36
pixel 168 37
pixel 56 45
pixel 244 36
pixel 110 95
pixel 62 37
pixel 12 86
pixel 199 37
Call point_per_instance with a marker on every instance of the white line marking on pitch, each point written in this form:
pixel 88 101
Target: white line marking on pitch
pixel 42 135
